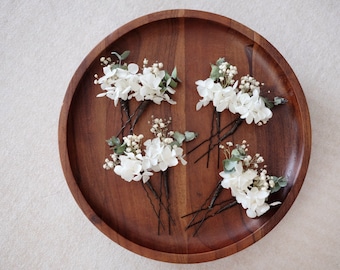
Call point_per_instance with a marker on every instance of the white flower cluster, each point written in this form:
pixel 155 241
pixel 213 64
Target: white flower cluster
pixel 126 82
pixel 223 91
pixel 160 153
pixel 249 184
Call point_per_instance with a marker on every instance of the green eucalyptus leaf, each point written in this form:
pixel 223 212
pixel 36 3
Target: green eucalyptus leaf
pixel 173 84
pixel 124 55
pixel 166 76
pixel 229 165
pixel 113 141
pixel 179 137
pixel 238 153
pixel 279 101
pixel 190 135
pixel 214 74
pixel 168 82
pixel 269 104
pixel 174 142
pixel 275 188
pixel 119 150
pixel 220 61
pixel 282 181
pixel 174 73
pixel 235 152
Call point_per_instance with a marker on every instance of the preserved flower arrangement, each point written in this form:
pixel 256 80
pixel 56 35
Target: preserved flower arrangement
pixel 134 160
pixel 249 183
pixel 121 82
pixel 242 98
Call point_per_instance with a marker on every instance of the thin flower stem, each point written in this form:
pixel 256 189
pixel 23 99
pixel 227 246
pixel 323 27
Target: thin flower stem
pixel 229 133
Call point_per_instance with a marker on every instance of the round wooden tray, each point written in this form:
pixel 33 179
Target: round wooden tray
pixel 191 41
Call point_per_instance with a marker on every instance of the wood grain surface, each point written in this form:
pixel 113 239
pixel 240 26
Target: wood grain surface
pixel 191 41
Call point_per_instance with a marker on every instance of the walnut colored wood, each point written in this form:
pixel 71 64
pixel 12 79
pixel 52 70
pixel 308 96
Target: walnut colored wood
pixel 190 40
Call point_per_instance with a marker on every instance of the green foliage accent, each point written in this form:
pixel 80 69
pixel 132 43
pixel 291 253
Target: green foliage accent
pixel 280 182
pixel 271 103
pixel 178 137
pixel 279 101
pixel 229 164
pixel 238 153
pixel 119 150
pixel 124 55
pixel 174 73
pixel 220 61
pixel 190 135
pixel 120 57
pixel 115 144
pixel 113 141
pixel 214 74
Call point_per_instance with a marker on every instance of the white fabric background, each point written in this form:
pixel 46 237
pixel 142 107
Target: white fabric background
pixel 41 45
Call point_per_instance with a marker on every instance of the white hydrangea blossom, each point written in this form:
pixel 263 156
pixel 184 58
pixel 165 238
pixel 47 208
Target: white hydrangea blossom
pixel 250 185
pixel 159 154
pixel 126 82
pixel 223 91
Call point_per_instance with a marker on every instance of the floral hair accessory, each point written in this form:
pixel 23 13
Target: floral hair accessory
pixel 249 183
pixel 134 160
pixel 242 98
pixel 133 163
pixel 121 82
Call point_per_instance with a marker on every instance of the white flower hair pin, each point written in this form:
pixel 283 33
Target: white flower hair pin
pixel 249 183
pixel 242 98
pixel 121 82
pixel 134 160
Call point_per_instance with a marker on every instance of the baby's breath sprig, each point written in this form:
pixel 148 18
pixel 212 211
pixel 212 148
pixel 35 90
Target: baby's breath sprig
pixel 247 178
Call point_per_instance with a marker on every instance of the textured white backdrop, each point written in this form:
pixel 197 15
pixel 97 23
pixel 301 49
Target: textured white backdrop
pixel 41 45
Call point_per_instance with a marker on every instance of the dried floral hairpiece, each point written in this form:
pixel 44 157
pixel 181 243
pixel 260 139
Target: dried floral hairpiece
pixel 242 98
pixel 132 162
pixel 121 82
pixel 248 182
